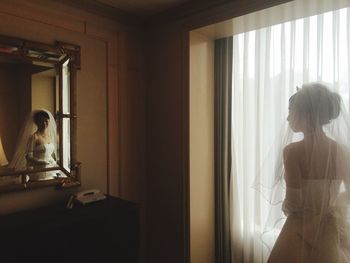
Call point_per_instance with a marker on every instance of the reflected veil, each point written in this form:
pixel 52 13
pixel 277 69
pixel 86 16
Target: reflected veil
pixel 19 161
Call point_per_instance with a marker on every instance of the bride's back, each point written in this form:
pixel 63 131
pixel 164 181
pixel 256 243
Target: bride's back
pixel 318 159
pixel 310 160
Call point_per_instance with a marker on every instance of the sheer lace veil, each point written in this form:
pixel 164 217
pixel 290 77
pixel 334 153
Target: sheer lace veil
pixel 311 180
pixel 18 161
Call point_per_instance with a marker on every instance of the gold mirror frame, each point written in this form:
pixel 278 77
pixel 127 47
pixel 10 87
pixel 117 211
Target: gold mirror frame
pixel 55 54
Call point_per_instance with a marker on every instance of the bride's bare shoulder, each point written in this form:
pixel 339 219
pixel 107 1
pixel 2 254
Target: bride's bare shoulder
pixel 293 148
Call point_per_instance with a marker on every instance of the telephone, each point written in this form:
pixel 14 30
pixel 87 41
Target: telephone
pixel 85 197
pixel 89 196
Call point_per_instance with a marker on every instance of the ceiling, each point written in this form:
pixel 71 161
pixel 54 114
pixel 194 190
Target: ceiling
pixel 142 8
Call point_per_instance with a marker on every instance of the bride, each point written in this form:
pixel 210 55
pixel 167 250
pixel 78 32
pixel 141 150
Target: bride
pixel 317 180
pixel 37 144
pixel 40 149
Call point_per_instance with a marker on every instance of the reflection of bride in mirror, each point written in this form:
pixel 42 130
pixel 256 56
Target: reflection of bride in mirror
pixel 41 150
pixel 37 144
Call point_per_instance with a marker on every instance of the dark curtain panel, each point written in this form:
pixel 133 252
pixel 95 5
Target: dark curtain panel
pixel 223 158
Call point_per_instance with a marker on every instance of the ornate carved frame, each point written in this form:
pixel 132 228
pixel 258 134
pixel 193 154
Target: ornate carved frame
pixel 54 54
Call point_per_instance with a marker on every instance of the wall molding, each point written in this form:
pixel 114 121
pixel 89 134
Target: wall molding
pixel 193 15
pixel 104 10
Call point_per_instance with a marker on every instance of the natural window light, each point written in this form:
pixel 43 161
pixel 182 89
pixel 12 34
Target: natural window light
pixel 268 64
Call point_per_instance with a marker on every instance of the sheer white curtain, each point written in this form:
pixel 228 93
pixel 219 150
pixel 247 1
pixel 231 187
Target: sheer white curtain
pixel 268 64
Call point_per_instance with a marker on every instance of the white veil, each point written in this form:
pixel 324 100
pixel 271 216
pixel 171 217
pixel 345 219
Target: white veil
pixel 309 194
pixel 18 161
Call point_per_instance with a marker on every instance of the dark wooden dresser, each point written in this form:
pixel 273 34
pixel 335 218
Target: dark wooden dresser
pixel 104 231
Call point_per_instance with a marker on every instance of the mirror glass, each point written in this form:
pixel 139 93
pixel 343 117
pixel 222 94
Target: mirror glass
pixel 36 114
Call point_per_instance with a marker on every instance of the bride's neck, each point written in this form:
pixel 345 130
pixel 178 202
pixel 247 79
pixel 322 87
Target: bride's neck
pixel 314 135
pixel 43 132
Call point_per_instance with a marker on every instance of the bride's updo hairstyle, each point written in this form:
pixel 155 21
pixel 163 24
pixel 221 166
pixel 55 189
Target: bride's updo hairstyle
pixel 39 115
pixel 315 104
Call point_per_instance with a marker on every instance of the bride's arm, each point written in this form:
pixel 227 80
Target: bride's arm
pixel 30 152
pixel 34 160
pixel 292 171
pixel 292 175
pixel 343 172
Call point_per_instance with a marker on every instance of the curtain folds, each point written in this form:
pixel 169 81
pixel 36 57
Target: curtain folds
pixel 223 155
pixel 255 74
pixel 268 64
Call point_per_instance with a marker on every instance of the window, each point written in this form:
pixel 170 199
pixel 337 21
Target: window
pixel 268 64
pixel 66 117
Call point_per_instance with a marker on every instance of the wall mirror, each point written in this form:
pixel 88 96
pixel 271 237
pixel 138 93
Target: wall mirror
pixel 38 114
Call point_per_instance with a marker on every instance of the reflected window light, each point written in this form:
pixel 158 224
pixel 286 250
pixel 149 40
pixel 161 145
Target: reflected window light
pixel 3 159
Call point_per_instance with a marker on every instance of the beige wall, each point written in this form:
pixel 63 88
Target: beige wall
pixel 202 148
pixel 43 92
pixel 99 84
